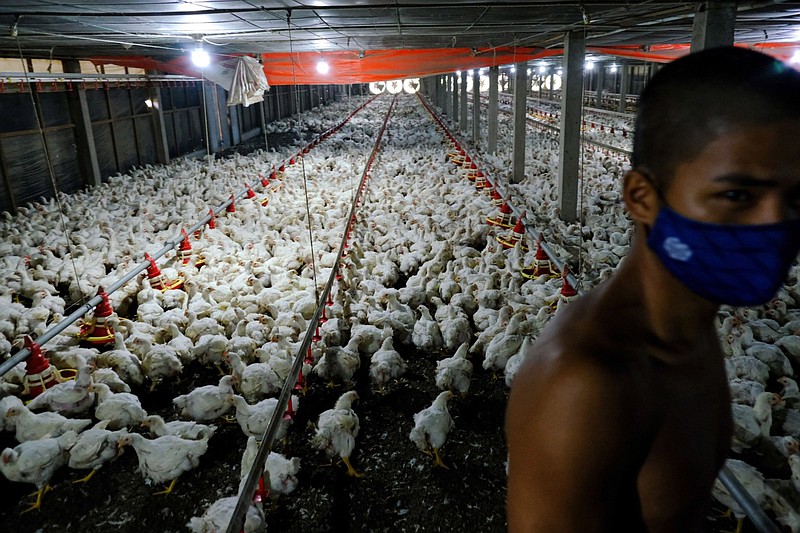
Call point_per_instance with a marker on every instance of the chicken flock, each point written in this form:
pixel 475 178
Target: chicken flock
pixel 423 273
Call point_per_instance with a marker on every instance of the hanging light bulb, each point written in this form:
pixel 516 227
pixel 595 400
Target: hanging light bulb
pixel 323 67
pixel 200 57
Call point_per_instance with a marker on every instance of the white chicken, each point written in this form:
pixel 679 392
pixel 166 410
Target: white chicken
pixel 516 360
pixel 337 430
pixel 503 345
pixel 454 373
pixel 751 479
pixel 164 459
pixel 208 402
pixel 431 427
pixel 6 403
pixel 94 448
pixel 209 349
pixel 161 362
pixel 386 364
pixel 255 380
pixel 218 515
pixel 121 409
pixel 69 397
pixel 455 328
pixel 339 362
pixel 254 419
pixel 185 429
pixel 35 461
pixel 183 345
pixel 34 426
pixel 427 336
pixel 282 471
pixel 485 337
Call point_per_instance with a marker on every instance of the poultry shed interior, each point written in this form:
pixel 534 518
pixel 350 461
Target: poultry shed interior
pixel 275 265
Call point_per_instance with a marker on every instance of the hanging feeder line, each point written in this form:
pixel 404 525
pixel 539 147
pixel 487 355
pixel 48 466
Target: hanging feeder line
pixel 554 259
pixel 256 471
pixel 48 335
pixel 745 500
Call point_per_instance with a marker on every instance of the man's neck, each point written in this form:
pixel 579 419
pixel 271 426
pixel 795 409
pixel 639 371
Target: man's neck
pixel 675 315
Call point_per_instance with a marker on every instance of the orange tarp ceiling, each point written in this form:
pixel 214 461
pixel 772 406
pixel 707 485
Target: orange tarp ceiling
pixel 345 67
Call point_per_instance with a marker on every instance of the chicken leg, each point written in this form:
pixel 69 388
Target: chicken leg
pixel 168 490
pixel 39 493
pixel 438 461
pixel 87 477
pixel 352 472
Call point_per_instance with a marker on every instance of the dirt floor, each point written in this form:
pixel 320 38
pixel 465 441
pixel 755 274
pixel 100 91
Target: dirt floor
pixel 401 489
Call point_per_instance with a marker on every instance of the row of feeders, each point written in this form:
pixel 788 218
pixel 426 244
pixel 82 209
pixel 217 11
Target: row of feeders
pixel 542 264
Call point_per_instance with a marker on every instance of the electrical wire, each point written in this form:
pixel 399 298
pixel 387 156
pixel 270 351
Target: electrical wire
pixel 303 165
pixel 53 181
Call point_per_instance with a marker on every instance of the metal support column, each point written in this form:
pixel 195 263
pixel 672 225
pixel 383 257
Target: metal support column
pixel 84 134
pixel 520 121
pixel 713 25
pixel 625 81
pixel 210 108
pixel 569 145
pixel 493 109
pixel 601 81
pixel 454 83
pixel 476 107
pixel 448 94
pixel 463 89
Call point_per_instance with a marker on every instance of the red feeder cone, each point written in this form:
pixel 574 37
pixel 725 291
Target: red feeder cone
pixel 511 240
pixel 480 181
pixel 504 219
pixel 316 337
pixel 185 249
pixel 473 171
pixel 39 373
pixel 212 222
pixel 264 180
pixel 323 318
pixel 329 301
pixel 300 386
pixel 262 492
pixel 289 414
pixel 496 198
pixel 230 208
pixel 157 280
pixel 154 273
pixel 250 192
pixel 567 290
pixel 97 331
pixel 542 266
pixel 309 357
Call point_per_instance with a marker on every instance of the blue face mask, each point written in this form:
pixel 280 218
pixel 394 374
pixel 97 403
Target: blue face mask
pixel 739 265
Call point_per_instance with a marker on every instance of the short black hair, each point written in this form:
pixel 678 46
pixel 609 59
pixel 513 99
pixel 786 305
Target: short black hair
pixel 693 100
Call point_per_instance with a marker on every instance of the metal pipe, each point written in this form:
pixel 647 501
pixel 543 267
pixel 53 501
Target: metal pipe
pixel 256 471
pixel 70 76
pixel 753 511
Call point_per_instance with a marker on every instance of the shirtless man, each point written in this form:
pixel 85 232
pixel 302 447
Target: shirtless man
pixel 620 418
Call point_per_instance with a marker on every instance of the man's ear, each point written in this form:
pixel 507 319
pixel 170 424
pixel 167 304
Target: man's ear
pixel 641 197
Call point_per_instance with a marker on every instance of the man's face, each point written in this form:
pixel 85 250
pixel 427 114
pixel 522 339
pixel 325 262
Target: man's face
pixel 750 175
